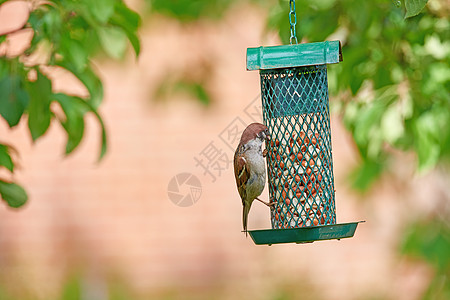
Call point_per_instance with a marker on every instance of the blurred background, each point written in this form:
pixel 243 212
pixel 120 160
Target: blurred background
pixel 76 224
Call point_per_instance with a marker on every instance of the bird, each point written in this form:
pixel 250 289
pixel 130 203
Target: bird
pixel 249 167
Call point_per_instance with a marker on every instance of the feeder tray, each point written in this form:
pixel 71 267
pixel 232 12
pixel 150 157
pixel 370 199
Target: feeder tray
pixel 303 235
pixel 294 93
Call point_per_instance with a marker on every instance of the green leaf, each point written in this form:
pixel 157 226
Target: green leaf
pixel 392 125
pixel 368 118
pixel 101 9
pixel 134 40
pixel 13 194
pixel 195 89
pixel 5 158
pixel 355 84
pixel 276 21
pixel 186 86
pixel 74 123
pixel 113 41
pixel 75 109
pixel 325 19
pixel 382 78
pixel 414 7
pixel 39 114
pixel 104 142
pixel 88 107
pixel 75 52
pixel 51 21
pixel 129 21
pixel 89 79
pixel 35 23
pixel 428 133
pixel 430 240
pixel 13 99
pixel 365 174
pixel 351 74
pixel 201 93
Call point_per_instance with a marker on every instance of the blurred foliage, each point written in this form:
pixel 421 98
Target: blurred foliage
pixel 394 81
pixel 190 10
pixel 189 82
pixel 392 89
pixel 72 289
pixel 430 240
pixel 184 86
pixel 67 34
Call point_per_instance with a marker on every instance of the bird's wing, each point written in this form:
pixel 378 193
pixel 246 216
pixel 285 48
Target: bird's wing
pixel 242 174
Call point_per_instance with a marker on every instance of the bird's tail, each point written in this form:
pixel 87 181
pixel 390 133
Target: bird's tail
pixel 245 211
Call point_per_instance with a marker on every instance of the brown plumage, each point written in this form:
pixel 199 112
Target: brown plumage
pixel 249 167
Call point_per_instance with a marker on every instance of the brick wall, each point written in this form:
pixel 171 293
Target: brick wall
pixel 115 217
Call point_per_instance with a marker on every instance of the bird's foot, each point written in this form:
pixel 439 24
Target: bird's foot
pixel 264 153
pixel 269 204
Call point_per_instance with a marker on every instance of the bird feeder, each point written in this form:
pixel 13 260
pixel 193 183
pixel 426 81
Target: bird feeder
pixel 294 94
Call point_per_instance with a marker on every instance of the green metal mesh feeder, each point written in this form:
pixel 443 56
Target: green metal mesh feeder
pixel 294 92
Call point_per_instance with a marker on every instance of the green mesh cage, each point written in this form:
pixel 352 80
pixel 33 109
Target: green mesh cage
pixel 296 111
pixel 294 93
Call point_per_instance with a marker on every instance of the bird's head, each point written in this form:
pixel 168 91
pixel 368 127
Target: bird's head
pixel 255 131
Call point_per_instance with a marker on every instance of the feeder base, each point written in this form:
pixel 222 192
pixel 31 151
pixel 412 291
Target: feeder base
pixel 303 234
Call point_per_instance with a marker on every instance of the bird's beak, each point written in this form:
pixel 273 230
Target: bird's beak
pixel 267 135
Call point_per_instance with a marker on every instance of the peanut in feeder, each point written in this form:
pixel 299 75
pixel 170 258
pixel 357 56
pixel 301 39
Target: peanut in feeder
pixel 294 92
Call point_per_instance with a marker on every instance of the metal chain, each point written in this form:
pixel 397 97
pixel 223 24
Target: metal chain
pixel 292 21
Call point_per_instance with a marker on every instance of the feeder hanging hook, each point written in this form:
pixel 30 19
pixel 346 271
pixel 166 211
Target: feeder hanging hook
pixel 292 21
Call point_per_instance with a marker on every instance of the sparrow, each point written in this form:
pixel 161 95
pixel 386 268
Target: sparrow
pixel 249 167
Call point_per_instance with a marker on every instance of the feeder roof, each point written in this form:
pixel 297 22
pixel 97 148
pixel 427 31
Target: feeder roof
pixel 291 56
